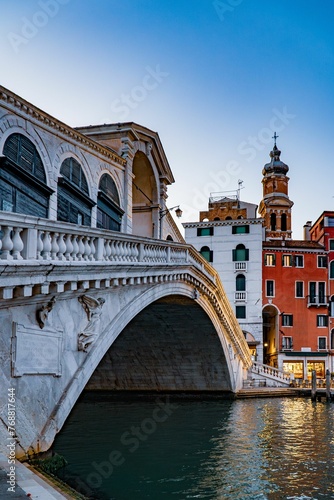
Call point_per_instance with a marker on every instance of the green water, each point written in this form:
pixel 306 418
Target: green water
pixel 139 447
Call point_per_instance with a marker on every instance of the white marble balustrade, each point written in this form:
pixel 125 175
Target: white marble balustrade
pixel 32 239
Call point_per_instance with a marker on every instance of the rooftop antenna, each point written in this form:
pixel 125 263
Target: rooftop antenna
pixel 240 183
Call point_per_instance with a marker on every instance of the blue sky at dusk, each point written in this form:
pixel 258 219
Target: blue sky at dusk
pixel 215 79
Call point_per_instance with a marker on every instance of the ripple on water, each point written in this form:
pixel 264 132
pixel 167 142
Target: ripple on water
pixel 235 450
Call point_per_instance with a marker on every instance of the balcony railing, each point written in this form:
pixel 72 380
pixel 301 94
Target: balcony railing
pixel 240 266
pixel 317 300
pixel 240 296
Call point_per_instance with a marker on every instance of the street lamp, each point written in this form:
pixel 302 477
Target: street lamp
pixel 178 212
pixel 164 212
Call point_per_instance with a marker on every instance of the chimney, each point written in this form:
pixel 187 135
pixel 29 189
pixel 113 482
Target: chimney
pixel 307 228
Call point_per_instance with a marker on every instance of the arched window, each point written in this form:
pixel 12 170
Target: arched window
pixel 169 238
pixel 228 218
pixel 109 213
pixel 273 222
pixel 207 253
pixel 283 222
pixel 240 253
pixel 240 283
pixel 331 270
pixel 331 307
pixel 240 217
pixel 23 187
pixel 216 218
pixel 74 204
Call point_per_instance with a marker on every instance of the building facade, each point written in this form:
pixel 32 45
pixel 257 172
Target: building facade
pixel 295 283
pixel 229 236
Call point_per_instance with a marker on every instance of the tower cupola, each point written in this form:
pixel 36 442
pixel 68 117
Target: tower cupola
pixel 275 207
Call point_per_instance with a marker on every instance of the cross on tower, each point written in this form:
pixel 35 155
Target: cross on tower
pixel 275 136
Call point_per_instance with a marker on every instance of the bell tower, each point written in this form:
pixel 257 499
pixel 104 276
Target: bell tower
pixel 275 206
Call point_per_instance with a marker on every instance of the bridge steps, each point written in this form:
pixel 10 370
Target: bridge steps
pixel 266 392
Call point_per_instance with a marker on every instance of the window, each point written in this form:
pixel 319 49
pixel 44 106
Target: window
pixel 299 289
pixel 287 260
pixel 109 213
pixel 331 244
pixel 287 320
pixel 207 253
pixel 269 259
pixel 322 343
pixel 322 320
pixel 270 288
pixel 299 260
pixel 74 204
pixel 23 187
pixel 322 261
pixel 317 292
pixel 330 222
pixel 240 253
pixel 204 231
pixel 287 343
pixel 240 312
pixel 283 222
pixel 331 270
pixel 240 283
pixel 332 339
pixel 273 222
pixel 240 229
pixel 331 307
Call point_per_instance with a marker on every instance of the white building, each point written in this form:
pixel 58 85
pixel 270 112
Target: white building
pixel 230 237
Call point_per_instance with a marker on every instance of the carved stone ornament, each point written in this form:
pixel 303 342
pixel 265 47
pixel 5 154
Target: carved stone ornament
pixel 43 313
pixel 93 309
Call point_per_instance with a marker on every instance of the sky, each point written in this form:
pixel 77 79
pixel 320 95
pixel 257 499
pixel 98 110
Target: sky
pixel 214 78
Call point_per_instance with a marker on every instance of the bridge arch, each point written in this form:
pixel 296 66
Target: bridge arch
pixel 221 379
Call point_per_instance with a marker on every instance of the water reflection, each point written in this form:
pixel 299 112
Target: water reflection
pixel 252 449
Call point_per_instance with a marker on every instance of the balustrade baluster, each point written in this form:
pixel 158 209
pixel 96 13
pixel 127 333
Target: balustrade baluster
pixel 75 252
pixel 7 243
pixel 69 247
pixel 39 244
pixel 93 249
pixel 81 246
pixel 17 243
pixel 61 246
pixel 54 246
pixel 113 250
pixel 46 252
pixel 87 250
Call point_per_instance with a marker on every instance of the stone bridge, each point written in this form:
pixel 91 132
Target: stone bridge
pixel 105 310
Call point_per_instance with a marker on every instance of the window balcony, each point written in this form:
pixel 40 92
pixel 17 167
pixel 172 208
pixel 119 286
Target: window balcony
pixel 240 266
pixel 240 296
pixel 316 300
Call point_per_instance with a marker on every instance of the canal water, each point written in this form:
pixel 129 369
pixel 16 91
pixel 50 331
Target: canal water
pixel 163 447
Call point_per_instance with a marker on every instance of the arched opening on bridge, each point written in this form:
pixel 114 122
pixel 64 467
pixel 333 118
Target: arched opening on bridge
pixel 171 345
pixel 144 198
pixel 270 335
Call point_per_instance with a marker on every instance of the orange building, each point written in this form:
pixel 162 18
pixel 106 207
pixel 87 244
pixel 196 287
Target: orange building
pixel 295 283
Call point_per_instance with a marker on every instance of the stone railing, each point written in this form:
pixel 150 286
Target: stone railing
pixel 26 238
pixel 270 371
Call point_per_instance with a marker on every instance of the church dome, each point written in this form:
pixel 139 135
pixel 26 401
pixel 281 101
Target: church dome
pixel 276 166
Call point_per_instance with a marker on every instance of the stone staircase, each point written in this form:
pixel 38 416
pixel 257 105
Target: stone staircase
pixel 260 375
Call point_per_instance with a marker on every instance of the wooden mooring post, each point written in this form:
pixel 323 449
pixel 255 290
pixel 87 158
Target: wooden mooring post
pixel 314 386
pixel 328 385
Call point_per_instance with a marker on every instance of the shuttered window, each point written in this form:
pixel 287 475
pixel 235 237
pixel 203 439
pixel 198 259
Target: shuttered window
pixel 74 204
pixel 109 213
pixel 23 186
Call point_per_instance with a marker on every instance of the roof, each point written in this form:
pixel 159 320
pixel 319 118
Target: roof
pixel 298 244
